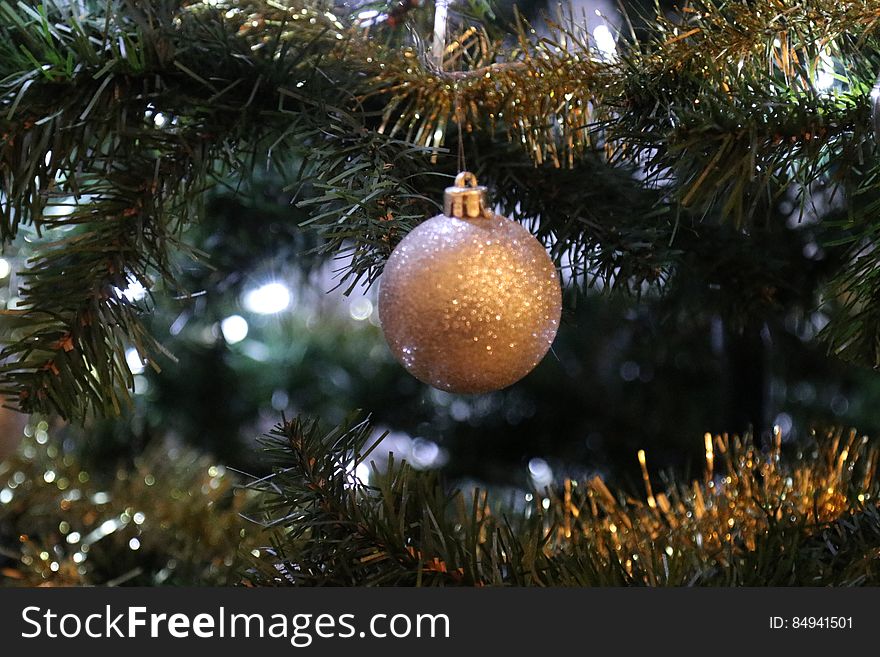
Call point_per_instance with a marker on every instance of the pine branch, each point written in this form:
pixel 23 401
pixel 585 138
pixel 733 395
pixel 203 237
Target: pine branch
pixel 329 535
pixel 134 108
pixel 722 99
pixel 805 518
pixel 130 150
pixel 804 515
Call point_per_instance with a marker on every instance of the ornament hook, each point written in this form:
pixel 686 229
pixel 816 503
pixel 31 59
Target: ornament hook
pixel 466 199
pixel 465 178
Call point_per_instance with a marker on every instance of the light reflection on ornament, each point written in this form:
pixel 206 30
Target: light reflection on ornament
pixel 370 17
pixel 141 385
pixel 362 473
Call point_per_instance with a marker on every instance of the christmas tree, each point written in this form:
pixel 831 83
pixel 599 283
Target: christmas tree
pixel 183 182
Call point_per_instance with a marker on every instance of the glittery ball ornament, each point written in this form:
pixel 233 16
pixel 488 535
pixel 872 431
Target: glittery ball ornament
pixel 469 301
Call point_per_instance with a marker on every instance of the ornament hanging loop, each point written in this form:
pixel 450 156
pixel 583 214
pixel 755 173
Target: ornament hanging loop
pixel 466 179
pixel 466 199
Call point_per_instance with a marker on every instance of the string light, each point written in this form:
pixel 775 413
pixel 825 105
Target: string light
pixel 135 291
pixel 134 361
pixel 825 76
pixel 234 329
pixel 268 299
pixel 605 43
pixel 67 529
pixel 360 308
pixel 540 473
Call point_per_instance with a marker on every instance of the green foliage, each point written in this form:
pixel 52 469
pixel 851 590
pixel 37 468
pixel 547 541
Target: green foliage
pixel 152 108
pixel 755 520
pixel 644 171
pixel 805 516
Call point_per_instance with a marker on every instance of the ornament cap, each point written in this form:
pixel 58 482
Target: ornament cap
pixel 466 199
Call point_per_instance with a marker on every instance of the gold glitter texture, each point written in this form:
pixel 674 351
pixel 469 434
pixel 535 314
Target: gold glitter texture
pixel 469 305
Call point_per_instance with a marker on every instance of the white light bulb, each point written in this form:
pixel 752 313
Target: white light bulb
pixel 133 359
pixel 360 309
pixel 234 328
pixel 134 292
pixel 267 299
pixel 362 473
pixel 605 42
pixel 824 79
pixel 540 472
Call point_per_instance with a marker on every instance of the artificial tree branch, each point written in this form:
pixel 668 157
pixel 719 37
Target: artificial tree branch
pixel 718 109
pixel 752 518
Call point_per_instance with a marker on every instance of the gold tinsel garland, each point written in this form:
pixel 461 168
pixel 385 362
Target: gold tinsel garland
pixel 743 493
pixel 789 514
pixel 550 91
pixel 174 517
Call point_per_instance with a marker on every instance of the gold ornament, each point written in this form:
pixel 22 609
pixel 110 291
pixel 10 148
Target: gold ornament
pixel 469 301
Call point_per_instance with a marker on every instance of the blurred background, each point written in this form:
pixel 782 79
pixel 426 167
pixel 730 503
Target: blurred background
pixel 265 330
